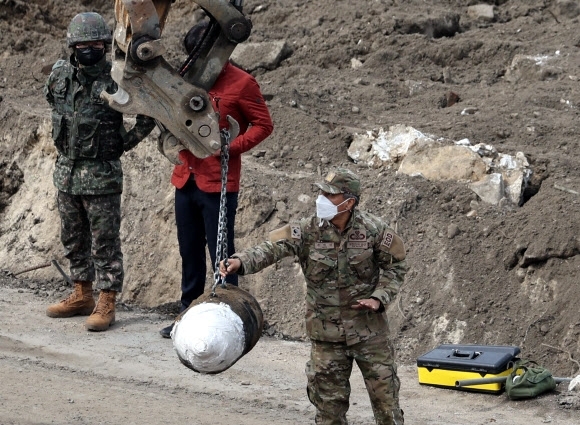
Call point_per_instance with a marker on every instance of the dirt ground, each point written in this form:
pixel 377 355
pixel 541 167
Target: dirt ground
pixel 479 273
pixel 54 372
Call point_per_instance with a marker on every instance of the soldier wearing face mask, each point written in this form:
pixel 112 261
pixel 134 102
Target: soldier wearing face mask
pixel 90 138
pixel 354 265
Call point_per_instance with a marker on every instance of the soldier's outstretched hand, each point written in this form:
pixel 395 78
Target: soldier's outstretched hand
pixel 233 265
pixel 367 303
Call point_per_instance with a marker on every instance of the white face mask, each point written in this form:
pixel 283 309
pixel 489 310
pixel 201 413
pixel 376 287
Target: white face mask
pixel 325 209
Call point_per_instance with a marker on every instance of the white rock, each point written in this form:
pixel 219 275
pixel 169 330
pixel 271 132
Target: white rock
pixel 463 142
pixel 574 384
pixel 490 188
pixel 355 63
pixel 378 147
pixel 533 68
pixel 484 12
pixel 470 110
pixel 494 176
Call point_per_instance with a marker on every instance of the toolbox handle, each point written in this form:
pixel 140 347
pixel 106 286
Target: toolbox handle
pixel 468 354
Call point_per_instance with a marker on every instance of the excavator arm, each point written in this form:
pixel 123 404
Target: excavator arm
pixel 177 99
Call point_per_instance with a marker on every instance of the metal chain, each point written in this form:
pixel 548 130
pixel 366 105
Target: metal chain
pixel 222 234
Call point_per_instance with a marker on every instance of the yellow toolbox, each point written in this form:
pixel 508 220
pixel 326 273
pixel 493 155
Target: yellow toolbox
pixel 452 365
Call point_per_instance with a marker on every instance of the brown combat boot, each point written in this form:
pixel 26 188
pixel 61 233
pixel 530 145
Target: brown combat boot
pixel 79 303
pixel 104 313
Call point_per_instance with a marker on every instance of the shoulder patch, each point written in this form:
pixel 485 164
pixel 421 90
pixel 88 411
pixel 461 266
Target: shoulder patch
pixel 394 245
pixel 296 231
pixel 59 63
pixel 289 231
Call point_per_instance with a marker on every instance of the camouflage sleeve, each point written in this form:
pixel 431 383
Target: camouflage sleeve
pixel 390 282
pixel 284 242
pixel 48 93
pixel 391 256
pixel 143 126
pixel 51 80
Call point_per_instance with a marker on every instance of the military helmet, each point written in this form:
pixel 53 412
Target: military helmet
pixel 88 26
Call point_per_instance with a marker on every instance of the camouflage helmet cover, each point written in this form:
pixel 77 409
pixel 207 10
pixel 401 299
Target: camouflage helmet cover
pixel 87 26
pixel 340 180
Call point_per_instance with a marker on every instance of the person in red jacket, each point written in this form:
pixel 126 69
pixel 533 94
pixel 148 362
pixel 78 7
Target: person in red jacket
pixel 198 181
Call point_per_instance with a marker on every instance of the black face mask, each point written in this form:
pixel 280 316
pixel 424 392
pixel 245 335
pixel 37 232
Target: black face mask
pixel 89 55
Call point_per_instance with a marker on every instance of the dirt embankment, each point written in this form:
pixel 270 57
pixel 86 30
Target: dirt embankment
pixel 485 274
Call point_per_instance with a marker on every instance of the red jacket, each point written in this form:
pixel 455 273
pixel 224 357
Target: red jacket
pixel 234 93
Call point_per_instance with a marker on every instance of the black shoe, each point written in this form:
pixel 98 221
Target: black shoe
pixel 166 332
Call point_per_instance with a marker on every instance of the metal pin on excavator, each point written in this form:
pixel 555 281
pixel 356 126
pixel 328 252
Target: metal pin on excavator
pixel 177 99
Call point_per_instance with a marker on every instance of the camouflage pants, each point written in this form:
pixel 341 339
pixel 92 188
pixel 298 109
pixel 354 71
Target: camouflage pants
pixel 328 372
pixel 90 226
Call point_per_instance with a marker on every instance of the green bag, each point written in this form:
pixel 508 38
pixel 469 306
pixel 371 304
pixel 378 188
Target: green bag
pixel 527 380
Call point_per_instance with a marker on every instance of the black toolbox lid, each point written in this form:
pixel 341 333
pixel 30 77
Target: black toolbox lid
pixel 470 357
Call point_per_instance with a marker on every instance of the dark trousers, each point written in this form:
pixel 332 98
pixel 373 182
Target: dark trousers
pixel 196 215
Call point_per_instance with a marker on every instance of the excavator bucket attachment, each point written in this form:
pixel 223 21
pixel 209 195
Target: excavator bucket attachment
pixel 148 85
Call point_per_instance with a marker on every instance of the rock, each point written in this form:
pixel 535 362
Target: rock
pixel 413 87
pixel 521 274
pixel 375 148
pixel 434 26
pixel 259 153
pixel 449 99
pixel 569 9
pixel 483 12
pixel 442 163
pixel 470 110
pixel 355 63
pixel 260 8
pixel 268 55
pixel 490 188
pixel 452 230
pixel 452 98
pixel 574 384
pixel 533 68
pixel 447 76
pixel 516 175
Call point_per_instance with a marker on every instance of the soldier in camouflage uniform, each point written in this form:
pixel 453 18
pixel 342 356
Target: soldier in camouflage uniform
pixel 353 264
pixel 90 139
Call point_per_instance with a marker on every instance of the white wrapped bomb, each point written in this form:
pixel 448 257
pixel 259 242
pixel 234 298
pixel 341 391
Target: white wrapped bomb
pixel 216 331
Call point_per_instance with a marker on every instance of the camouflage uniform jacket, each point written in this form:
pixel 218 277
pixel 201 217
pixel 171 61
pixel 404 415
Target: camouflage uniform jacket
pixel 89 136
pixel 366 260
